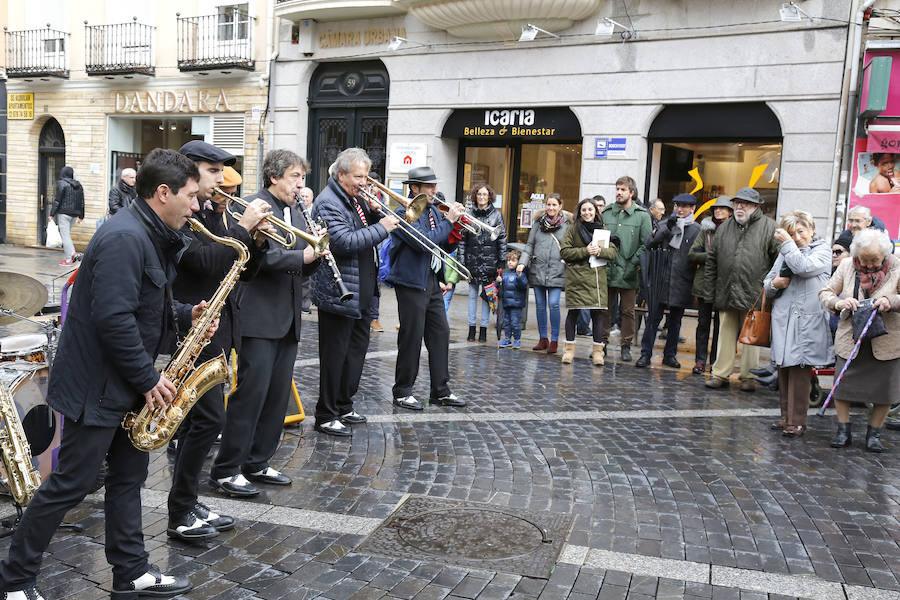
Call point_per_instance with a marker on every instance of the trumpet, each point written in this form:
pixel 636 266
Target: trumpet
pixel 417 205
pixel 291 233
pixel 470 223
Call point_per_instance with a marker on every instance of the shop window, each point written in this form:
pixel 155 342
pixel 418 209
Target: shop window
pixel 723 168
pixel 546 169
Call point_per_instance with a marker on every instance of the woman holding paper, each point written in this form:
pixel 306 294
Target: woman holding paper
pixel 585 249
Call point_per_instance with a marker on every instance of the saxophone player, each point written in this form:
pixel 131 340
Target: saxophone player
pixel 201 269
pixel 119 313
pixel 270 331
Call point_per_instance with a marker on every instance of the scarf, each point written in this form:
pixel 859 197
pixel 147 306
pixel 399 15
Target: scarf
pixel 871 279
pixel 549 225
pixel 586 230
pixel 678 231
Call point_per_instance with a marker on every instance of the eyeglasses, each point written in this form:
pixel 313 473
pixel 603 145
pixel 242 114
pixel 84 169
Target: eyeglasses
pixel 838 252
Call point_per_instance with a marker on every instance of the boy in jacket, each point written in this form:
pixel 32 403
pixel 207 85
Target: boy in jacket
pixel 513 294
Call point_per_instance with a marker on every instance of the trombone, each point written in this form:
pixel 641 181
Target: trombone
pixel 291 233
pixel 416 206
pixel 470 223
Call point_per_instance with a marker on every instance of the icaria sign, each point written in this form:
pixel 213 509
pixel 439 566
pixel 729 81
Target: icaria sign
pixel 172 101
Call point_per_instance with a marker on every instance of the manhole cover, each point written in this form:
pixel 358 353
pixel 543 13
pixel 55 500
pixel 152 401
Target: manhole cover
pixel 473 534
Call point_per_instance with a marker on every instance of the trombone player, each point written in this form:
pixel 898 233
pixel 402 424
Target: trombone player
pixel 270 331
pixel 416 275
pixel 356 231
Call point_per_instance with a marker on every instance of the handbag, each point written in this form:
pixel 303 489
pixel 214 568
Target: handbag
pixel 757 329
pixel 859 319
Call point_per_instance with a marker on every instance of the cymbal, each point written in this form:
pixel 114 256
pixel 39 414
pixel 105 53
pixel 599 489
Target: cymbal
pixel 21 294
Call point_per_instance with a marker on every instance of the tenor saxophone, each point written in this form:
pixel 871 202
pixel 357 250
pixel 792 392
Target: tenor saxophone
pixel 150 429
pixel 23 479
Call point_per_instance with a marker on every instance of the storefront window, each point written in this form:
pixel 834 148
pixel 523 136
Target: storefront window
pixel 546 169
pixel 724 168
pixel 492 166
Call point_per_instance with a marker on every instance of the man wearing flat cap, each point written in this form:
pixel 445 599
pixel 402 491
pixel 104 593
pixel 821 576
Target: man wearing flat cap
pixel 670 277
pixel 417 275
pixel 201 269
pixel 742 252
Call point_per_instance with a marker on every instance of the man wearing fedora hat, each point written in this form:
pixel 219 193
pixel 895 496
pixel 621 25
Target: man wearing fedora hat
pixel 742 252
pixel 416 275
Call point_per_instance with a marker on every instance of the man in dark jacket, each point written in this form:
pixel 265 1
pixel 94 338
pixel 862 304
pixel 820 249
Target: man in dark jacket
pixel 355 230
pixel 670 277
pixel 417 276
pixel 201 269
pixel 743 250
pixel 270 330
pixel 122 194
pixel 68 208
pixel 117 319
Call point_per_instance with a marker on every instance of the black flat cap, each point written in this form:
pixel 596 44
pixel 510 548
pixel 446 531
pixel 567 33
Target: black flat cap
pixel 685 199
pixel 198 150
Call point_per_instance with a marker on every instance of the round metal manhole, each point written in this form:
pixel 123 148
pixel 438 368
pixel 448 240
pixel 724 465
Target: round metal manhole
pixel 472 533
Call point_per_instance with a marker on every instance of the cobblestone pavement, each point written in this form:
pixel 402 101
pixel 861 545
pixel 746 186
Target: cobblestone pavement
pixel 675 491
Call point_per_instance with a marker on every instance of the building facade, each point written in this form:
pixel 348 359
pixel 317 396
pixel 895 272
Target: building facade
pixel 678 95
pixel 97 85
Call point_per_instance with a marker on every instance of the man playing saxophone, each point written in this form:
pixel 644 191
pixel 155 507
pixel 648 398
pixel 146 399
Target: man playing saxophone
pixel 201 270
pixel 119 314
pixel 270 330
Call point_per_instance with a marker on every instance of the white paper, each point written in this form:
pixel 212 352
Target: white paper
pixel 601 238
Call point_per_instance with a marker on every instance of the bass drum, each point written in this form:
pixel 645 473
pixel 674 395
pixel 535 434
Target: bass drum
pixel 27 383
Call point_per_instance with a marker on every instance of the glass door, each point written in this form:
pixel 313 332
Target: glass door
pixel 492 166
pixel 546 169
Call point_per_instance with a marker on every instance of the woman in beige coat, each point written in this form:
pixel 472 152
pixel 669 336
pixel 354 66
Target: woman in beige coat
pixel 874 374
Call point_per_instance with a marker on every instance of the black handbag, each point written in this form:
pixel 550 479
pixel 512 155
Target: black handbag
pixel 859 318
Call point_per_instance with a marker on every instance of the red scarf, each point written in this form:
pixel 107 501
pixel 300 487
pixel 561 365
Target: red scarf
pixel 871 279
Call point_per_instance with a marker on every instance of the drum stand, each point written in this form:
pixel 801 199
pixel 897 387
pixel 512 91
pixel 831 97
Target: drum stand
pixel 12 524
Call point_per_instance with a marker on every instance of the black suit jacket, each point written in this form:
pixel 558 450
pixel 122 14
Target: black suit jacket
pixel 271 304
pixel 117 319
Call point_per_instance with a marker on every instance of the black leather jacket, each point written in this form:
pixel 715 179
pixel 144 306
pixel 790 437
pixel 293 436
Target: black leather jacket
pixel 483 257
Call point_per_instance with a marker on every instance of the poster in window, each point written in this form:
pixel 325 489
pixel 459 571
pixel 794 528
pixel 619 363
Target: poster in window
pixel 525 218
pixel 876 182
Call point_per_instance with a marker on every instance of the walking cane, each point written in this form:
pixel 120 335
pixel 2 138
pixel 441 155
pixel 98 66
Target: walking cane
pixel 840 376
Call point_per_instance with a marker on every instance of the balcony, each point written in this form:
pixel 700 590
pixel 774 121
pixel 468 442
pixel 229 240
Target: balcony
pixel 221 41
pixel 37 53
pixel 119 49
pixel 337 10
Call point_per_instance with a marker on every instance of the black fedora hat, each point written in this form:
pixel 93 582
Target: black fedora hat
pixel 421 175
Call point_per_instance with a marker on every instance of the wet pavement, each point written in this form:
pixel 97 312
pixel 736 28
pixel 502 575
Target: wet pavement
pixel 655 487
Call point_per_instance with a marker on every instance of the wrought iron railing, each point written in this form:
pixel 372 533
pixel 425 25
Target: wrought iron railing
pixel 36 53
pixel 121 48
pixel 224 40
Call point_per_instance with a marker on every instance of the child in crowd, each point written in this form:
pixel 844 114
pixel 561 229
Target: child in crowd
pixel 513 294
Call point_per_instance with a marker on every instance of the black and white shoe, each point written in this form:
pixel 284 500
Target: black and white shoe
pixel 190 528
pixel 333 427
pixel 409 402
pixel 236 485
pixel 29 593
pixel 270 476
pixel 451 400
pixel 353 418
pixel 219 522
pixel 152 584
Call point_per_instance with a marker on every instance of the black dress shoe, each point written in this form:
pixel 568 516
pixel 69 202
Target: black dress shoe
pixel 30 593
pixel 270 476
pixel 671 362
pixel 409 402
pixel 219 522
pixel 190 528
pixel 451 400
pixel 764 372
pixel 626 353
pixel 333 427
pixel 843 437
pixel 643 361
pixel 152 584
pixel 873 439
pixel 236 485
pixel 353 418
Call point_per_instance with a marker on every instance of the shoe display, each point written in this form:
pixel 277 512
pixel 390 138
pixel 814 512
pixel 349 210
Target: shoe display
pixel 671 362
pixel 542 344
pixel 270 476
pixel 451 400
pixel 642 361
pixel 873 440
pixel 552 347
pixel 471 336
pixel 843 437
pixel 517 345
pixel 408 402
pixel 333 427
pixel 190 528
pixel 626 353
pixel 506 343
pixel 236 485
pixel 699 368
pixel 29 593
pixel 152 584
pixel 748 385
pixel 716 383
pixel 219 522
pixel 376 326
pixel 353 418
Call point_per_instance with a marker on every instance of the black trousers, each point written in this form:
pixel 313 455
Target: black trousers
pixel 255 416
pixel 653 319
pixel 81 454
pixel 706 317
pixel 199 431
pixel 422 316
pixel 343 343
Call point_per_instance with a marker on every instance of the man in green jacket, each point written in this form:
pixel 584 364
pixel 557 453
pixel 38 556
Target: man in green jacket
pixel 631 223
pixel 742 252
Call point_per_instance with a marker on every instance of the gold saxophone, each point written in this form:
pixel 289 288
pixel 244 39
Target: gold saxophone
pixel 23 479
pixel 152 429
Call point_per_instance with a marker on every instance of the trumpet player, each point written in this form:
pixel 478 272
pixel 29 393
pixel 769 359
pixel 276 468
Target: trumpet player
pixel 270 330
pixel 118 315
pixel 356 230
pixel 201 269
pixel 416 275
